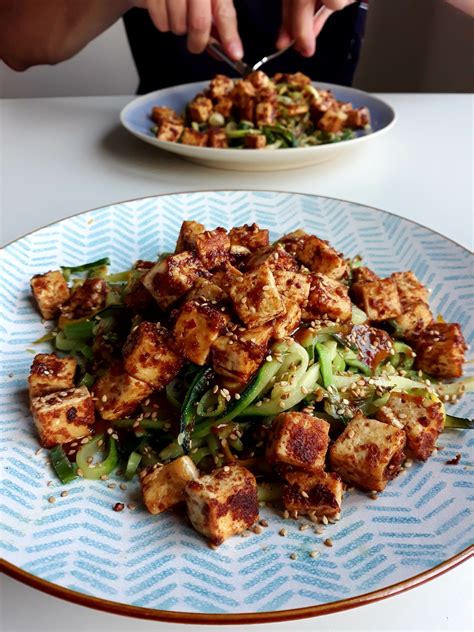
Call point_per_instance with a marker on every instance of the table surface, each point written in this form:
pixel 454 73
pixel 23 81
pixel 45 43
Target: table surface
pixel 62 156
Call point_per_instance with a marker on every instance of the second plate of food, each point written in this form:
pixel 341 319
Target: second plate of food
pixel 292 133
pixel 80 522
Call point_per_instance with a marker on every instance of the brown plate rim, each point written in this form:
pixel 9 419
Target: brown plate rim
pixel 152 614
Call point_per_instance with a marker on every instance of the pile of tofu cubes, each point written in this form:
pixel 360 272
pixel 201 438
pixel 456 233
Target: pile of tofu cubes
pixel 223 297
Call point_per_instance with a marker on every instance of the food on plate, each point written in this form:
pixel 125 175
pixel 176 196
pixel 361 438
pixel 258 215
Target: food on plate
pixel 235 372
pixel 260 113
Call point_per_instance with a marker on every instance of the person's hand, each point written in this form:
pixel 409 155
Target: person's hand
pixel 197 18
pixel 299 23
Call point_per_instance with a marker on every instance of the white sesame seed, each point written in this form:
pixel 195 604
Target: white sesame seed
pixel 328 542
pixel 324 520
pixel 282 532
pixel 293 556
pixel 64 494
pixel 52 499
pixel 313 553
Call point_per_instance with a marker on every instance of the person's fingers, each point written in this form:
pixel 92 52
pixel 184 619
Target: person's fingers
pixel 159 14
pixel 177 16
pixel 284 36
pixel 302 26
pixel 320 19
pixel 225 21
pixel 199 24
pixel 337 5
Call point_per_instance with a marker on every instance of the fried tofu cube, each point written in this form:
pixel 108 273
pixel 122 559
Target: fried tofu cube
pixel 220 86
pixel 293 286
pixel 319 107
pixel 316 254
pixel 328 299
pixel 170 131
pixel 213 248
pixel 414 319
pixel 117 394
pixel 151 356
pixel 169 279
pixel 193 137
pixel 163 487
pixel 223 105
pixel 224 278
pixel 362 274
pixel 241 91
pixel 379 299
pixel 87 299
pixel 264 114
pixel 259 79
pixel 334 120
pixel 196 328
pixel 159 114
pixel 206 290
pixel 223 503
pixel 238 359
pixel 286 324
pixel 50 373
pixel 63 416
pixel 315 493
pixel 358 118
pixel 296 109
pixel 187 235
pixel 410 290
pixel 217 138
pixel 50 291
pixel 255 297
pixel 296 79
pixel 440 350
pixel 137 298
pixel 275 257
pixel 250 236
pixel 421 417
pixel 299 440
pixel 200 109
pixel 368 453
pixel 255 141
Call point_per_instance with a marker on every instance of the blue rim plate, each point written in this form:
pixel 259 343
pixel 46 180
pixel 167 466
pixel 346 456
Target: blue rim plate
pixel 135 117
pixel 158 567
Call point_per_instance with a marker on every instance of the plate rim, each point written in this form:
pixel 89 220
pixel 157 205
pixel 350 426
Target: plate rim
pixel 196 151
pixel 170 616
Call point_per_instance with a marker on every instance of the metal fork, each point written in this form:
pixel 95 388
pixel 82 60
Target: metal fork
pixel 244 69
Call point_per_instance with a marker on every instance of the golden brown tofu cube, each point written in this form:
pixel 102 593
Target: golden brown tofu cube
pixel 415 318
pixel 241 91
pixel 410 290
pixel 225 277
pixel 368 453
pixel 296 79
pixel 238 357
pixel 264 114
pixel 170 131
pixel 50 291
pixel 358 118
pixel 259 79
pixel 192 137
pixel 362 274
pixel 86 300
pixel 440 350
pixel 275 257
pixel 163 487
pixel 169 279
pixel 293 286
pixel 217 138
pixel 220 86
pixel 290 320
pixel 150 355
pixel 328 299
pixel 296 109
pixel 213 248
pixel 379 299
pixel 316 493
pixel 316 254
pixel 187 235
pixel 255 141
pixel 159 114
pixel 206 290
pixel 249 236
pixel 255 297
pixel 137 298
pixel 223 106
pixel 63 416
pixel 374 345
pixel 223 503
pixel 299 440
pixel 334 120
pixel 117 394
pixel 200 109
pixel 421 417
pixel 319 107
pixel 196 328
pixel 50 373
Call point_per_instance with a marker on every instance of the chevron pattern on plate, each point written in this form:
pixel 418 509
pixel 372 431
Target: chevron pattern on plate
pixel 424 517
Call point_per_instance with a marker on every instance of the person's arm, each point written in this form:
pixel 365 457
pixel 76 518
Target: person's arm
pixel 49 31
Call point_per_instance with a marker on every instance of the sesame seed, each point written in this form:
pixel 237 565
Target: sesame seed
pixel 373 495
pixel 303 527
pixel 104 477
pixel 324 520
pixel 132 506
pixel 263 523
pixel 237 395
pixel 304 494
pixel 328 542
pixel 313 553
pixel 79 472
pixel 282 532
pixel 408 463
pixel 215 389
pixel 71 452
pixel 319 530
pixel 38 450
pixel 103 398
pixel 64 494
pixel 123 486
pixel 257 529
pixel 85 440
pixel 282 404
pixel 52 499
pixel 293 556
pixel 111 485
pixel 269 358
pixel 118 507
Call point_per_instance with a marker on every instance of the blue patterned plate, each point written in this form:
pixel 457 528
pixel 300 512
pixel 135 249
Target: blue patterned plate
pixel 135 117
pixel 158 567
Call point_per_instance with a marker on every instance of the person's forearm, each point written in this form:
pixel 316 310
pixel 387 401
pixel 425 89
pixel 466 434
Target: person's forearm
pixel 36 32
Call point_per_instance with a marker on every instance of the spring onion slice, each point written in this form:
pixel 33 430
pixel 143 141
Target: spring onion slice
pixel 95 469
pixel 211 404
pixel 198 387
pixel 46 338
pixel 63 467
pixel 85 267
pixel 79 330
pixel 132 465
pixel 87 380
pixel 458 422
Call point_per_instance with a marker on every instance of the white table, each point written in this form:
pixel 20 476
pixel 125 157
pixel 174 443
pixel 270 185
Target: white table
pixel 61 156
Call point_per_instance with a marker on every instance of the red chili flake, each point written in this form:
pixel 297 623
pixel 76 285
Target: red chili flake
pixel 118 507
pixel 454 461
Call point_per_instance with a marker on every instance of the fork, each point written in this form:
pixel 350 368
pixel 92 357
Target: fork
pixel 244 69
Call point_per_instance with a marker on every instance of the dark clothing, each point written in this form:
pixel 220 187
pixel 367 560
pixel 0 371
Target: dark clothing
pixel 162 58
